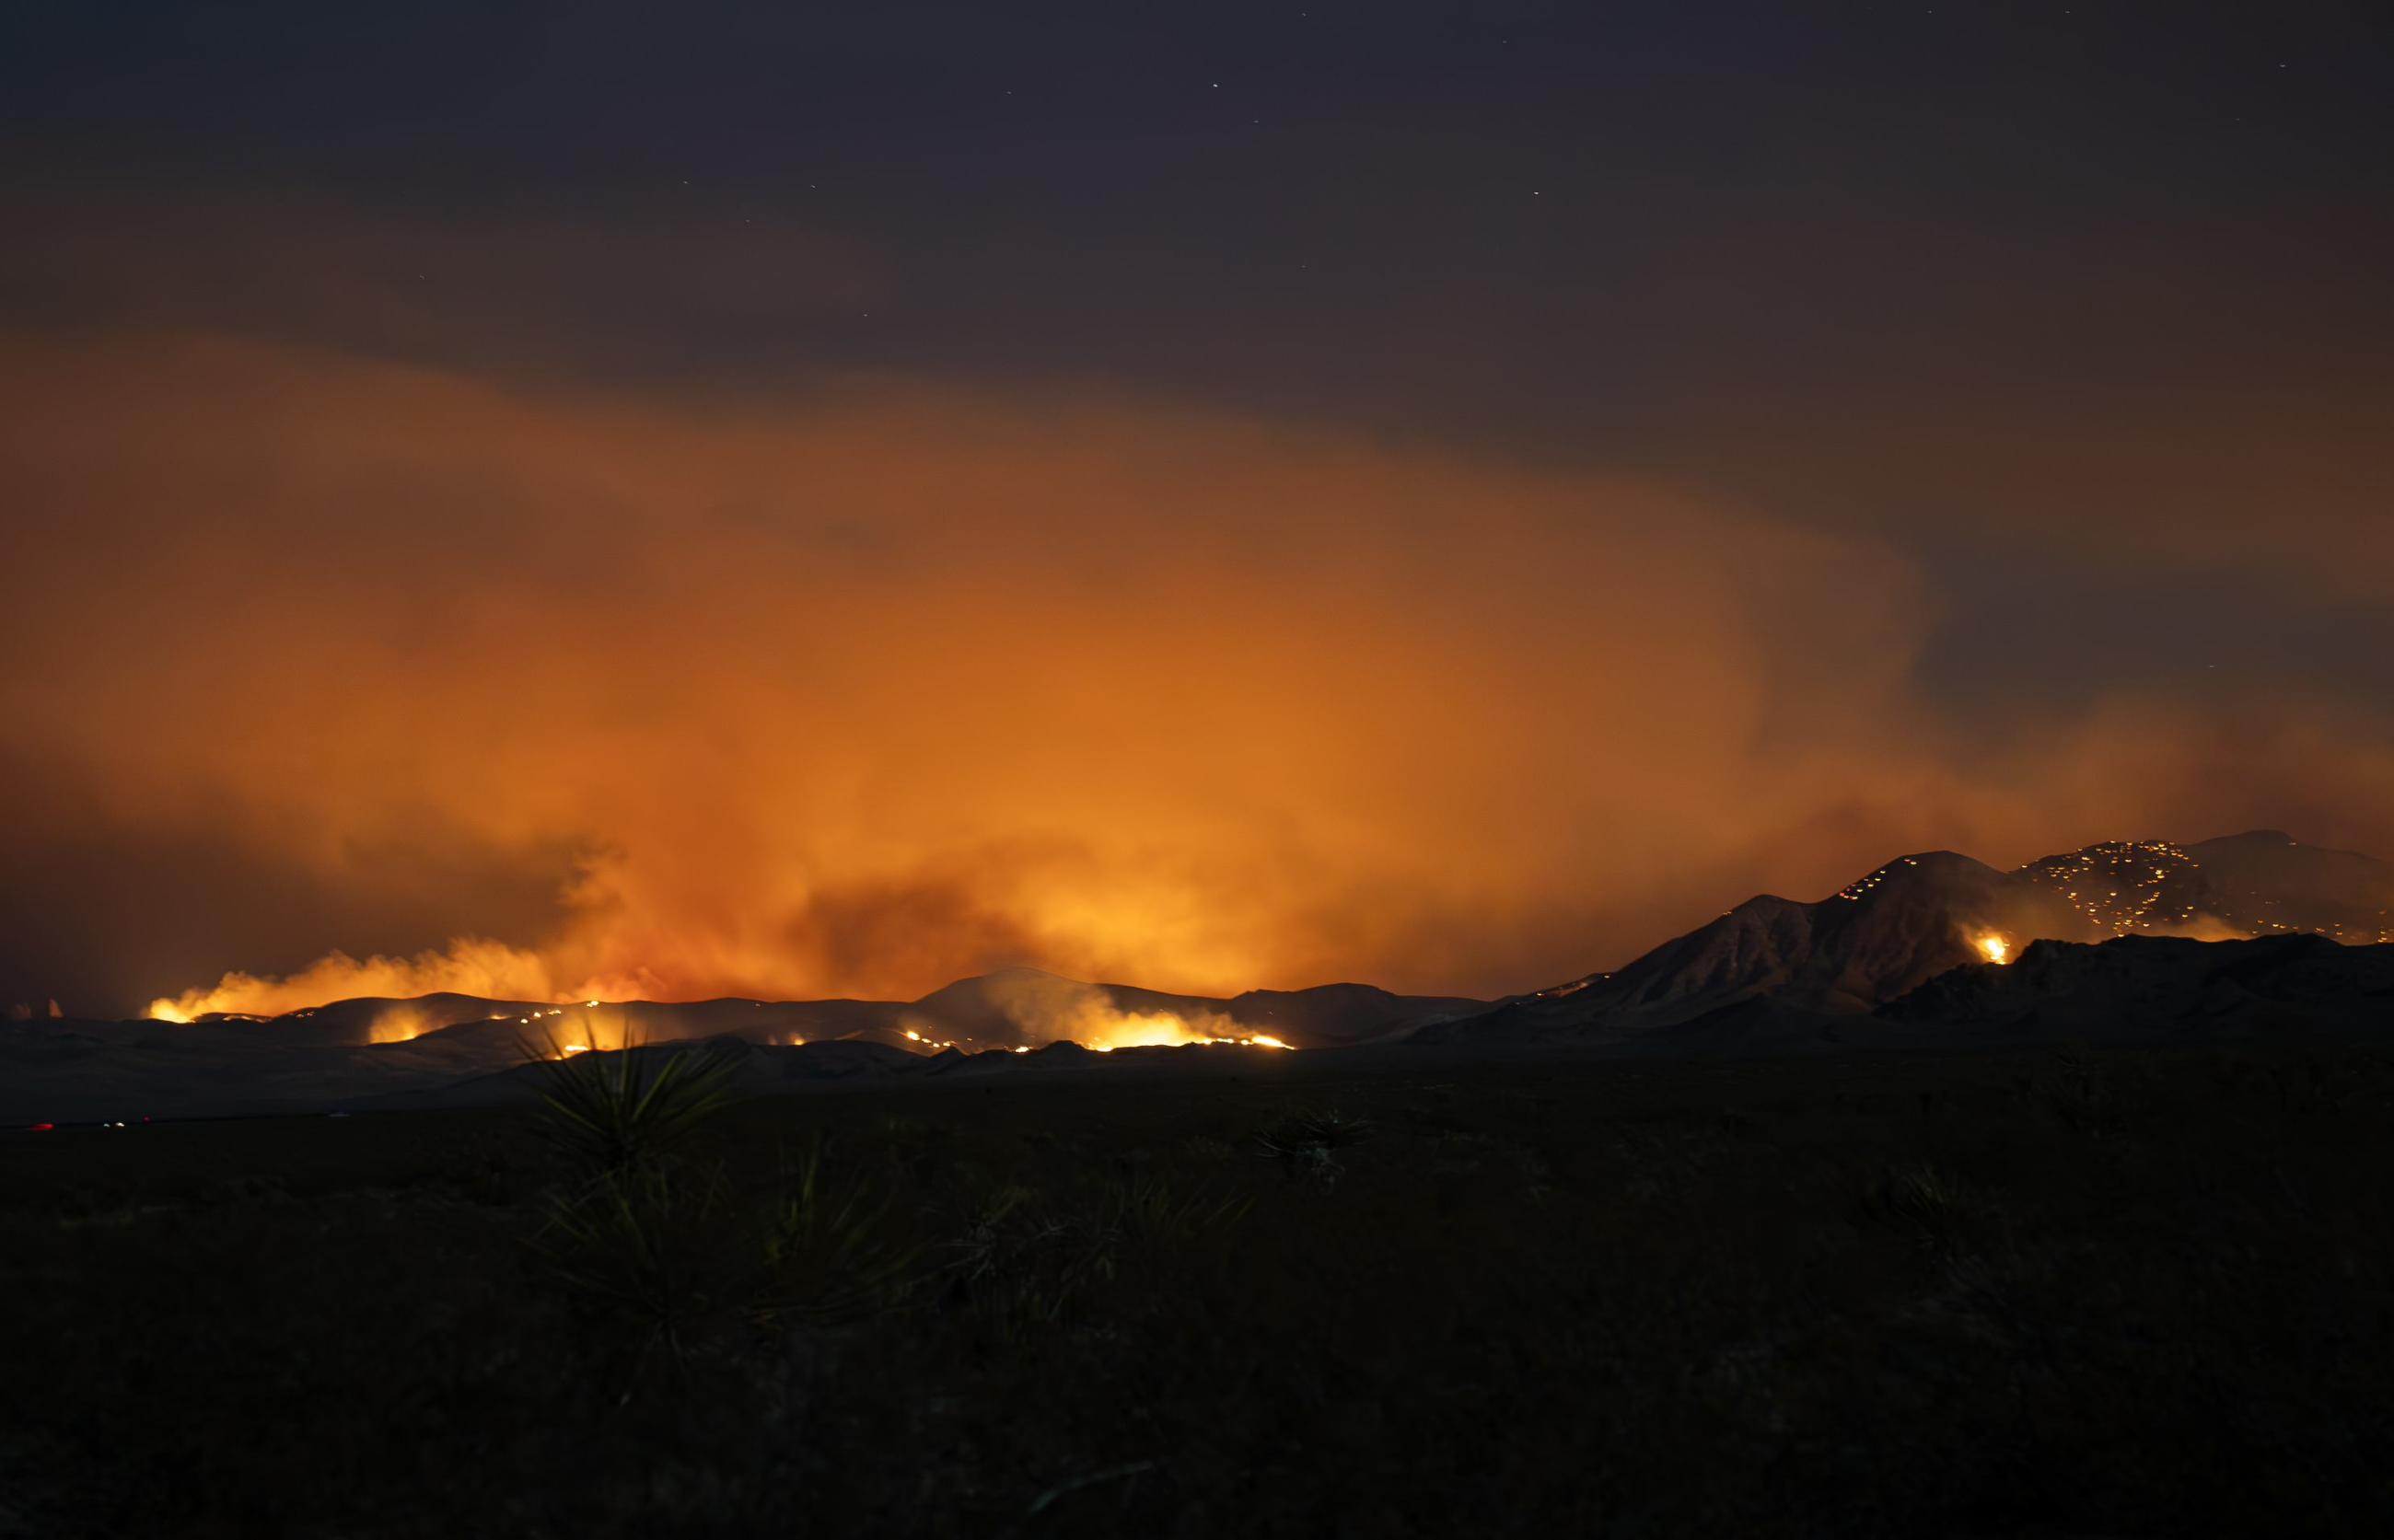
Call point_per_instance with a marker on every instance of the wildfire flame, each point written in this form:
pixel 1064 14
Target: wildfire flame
pixel 1102 1029
pixel 1163 1029
pixel 483 968
pixel 401 1024
pixel 1996 949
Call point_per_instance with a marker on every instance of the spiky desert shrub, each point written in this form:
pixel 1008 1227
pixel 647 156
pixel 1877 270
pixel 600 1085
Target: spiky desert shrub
pixel 654 1248
pixel 1921 1204
pixel 606 1113
pixel 1306 1144
pixel 830 1251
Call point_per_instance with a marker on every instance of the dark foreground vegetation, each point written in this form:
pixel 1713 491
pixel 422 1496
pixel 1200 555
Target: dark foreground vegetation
pixel 2059 1294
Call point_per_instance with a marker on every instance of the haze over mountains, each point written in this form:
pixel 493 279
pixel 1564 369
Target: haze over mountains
pixel 2124 939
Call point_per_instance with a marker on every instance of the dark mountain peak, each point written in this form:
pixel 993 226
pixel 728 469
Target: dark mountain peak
pixel 1877 937
pixel 1929 871
pixel 998 980
pixel 1000 1009
pixel 1329 1014
pixel 2251 837
pixel 1316 992
pixel 1942 861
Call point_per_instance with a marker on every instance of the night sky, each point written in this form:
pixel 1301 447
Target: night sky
pixel 800 500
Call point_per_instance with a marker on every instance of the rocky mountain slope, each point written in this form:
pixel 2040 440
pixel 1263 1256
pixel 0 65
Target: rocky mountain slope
pixel 1918 916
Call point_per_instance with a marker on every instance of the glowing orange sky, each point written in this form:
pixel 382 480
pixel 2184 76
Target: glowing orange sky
pixel 860 690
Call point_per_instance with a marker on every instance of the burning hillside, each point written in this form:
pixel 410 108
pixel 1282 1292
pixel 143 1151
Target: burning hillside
pixel 1893 930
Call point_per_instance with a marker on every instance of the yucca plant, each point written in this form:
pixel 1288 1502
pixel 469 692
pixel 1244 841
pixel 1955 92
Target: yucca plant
pixel 1151 1217
pixel 829 1255
pixel 606 1114
pixel 653 1247
pixel 1307 1142
pixel 1330 1129
pixel 1016 1265
pixel 2082 1092
pixel 1923 1204
pixel 1002 1228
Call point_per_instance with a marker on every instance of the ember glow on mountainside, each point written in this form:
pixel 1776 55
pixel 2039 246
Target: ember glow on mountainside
pixel 2258 883
pixel 2267 936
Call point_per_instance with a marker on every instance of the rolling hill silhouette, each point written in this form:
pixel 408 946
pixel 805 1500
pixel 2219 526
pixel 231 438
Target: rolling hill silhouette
pixel 349 1051
pixel 2123 939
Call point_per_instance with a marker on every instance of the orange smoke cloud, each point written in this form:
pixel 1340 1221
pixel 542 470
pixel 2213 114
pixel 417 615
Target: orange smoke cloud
pixel 468 966
pixel 860 692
